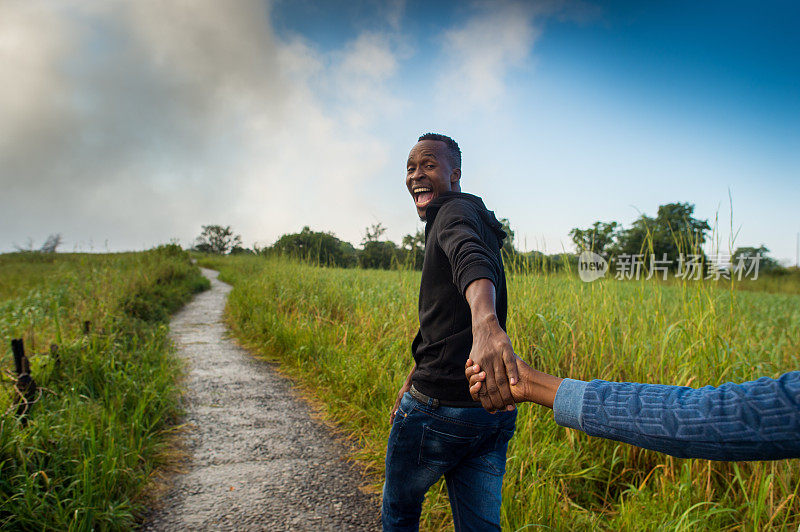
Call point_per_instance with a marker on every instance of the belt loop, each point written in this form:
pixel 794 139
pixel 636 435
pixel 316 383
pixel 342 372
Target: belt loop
pixel 434 403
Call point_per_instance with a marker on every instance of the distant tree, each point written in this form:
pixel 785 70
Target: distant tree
pixel 217 239
pixel 636 239
pixel 765 264
pixel 376 253
pixel 379 255
pixel 414 248
pixel 536 261
pixel 240 250
pixel 672 232
pixel 373 233
pixel 51 244
pixel 415 241
pixel 317 247
pixel 599 238
pixel 508 242
pixel 561 261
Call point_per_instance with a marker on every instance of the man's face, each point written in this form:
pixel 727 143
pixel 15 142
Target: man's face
pixel 428 173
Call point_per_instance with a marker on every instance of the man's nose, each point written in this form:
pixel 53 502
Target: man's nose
pixel 418 173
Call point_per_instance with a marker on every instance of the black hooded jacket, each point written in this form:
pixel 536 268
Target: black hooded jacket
pixel 462 244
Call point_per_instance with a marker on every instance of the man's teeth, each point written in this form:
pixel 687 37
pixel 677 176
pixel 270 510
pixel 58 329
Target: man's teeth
pixel 423 196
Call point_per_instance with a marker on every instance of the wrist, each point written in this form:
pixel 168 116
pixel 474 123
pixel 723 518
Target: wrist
pixel 541 388
pixel 482 321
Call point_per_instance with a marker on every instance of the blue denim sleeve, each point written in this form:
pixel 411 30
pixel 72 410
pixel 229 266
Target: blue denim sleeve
pixel 757 420
pixel 568 404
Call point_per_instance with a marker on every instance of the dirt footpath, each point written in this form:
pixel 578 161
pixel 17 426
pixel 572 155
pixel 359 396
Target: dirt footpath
pixel 258 460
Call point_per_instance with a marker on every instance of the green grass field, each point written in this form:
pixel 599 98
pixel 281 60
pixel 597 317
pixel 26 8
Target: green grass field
pixel 345 334
pixel 102 423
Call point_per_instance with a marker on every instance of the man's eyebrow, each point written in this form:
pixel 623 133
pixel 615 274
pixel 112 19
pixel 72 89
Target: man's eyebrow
pixel 424 156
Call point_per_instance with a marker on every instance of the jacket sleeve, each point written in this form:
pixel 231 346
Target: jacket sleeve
pixel 460 228
pixel 756 420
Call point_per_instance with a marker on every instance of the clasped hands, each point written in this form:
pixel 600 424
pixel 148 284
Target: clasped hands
pixel 492 367
pixel 531 385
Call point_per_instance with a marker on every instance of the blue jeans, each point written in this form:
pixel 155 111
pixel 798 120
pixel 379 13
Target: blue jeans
pixel 466 445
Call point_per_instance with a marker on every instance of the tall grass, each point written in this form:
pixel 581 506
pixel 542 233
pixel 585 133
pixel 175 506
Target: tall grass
pixel 99 429
pixel 346 334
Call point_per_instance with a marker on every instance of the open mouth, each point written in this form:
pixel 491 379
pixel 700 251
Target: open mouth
pixel 422 195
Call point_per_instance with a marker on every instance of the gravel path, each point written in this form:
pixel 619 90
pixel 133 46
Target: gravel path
pixel 258 459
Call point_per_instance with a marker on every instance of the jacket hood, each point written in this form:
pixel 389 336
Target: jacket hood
pixel 487 215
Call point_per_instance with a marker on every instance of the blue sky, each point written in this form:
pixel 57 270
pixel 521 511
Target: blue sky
pixel 270 117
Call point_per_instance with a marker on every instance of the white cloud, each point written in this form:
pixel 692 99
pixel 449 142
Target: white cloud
pixel 141 121
pixel 34 89
pixel 481 53
pixel 361 75
pixel 137 122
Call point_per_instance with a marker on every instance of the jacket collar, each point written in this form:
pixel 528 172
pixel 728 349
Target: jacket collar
pixel 486 214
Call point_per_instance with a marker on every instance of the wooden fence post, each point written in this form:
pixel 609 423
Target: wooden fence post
pixel 18 348
pixel 25 384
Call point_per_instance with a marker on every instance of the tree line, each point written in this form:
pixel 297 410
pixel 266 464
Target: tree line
pixel 324 248
pixel 672 233
pixel 669 237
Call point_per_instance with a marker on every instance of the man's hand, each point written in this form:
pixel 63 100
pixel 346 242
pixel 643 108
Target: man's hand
pixel 492 351
pixel 476 377
pixel 535 386
pixel 403 389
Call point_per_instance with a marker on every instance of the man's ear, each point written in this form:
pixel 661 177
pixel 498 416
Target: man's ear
pixel 455 178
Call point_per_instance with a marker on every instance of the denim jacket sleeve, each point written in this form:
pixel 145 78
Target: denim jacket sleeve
pixel 756 420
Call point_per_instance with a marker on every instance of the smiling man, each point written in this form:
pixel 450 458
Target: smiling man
pixel 437 429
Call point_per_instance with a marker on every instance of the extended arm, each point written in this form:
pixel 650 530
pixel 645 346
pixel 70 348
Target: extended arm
pixel 756 420
pixel 491 347
pixel 477 271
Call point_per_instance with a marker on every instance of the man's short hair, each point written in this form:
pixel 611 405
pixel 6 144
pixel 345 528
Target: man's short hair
pixel 453 151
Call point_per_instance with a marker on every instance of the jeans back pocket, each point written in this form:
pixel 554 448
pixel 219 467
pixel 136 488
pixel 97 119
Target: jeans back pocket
pixel 439 451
